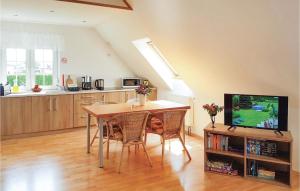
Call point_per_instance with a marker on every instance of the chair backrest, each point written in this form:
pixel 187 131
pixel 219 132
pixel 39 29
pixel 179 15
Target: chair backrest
pixel 173 121
pixel 133 126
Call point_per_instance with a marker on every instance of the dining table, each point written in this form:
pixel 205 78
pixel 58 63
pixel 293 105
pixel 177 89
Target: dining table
pixel 104 112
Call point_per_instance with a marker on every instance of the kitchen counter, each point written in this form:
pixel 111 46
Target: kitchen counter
pixel 65 92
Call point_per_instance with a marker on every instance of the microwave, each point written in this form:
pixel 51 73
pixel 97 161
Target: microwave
pixel 131 82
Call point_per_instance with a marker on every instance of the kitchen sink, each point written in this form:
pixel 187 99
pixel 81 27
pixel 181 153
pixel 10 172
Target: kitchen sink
pixel 54 91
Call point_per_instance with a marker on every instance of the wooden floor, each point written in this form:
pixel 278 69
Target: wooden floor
pixel 59 162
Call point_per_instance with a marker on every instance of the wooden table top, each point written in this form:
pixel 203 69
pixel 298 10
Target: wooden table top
pixel 108 110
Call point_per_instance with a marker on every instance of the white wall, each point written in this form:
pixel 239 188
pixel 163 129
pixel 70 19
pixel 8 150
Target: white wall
pixel 220 46
pixel 86 51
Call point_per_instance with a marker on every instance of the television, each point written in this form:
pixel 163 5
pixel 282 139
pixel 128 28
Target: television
pixel 256 111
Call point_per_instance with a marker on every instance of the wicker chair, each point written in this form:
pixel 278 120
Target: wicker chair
pixel 168 125
pixel 132 126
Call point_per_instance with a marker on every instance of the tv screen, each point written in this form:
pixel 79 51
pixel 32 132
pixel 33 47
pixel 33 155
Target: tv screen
pixel 257 111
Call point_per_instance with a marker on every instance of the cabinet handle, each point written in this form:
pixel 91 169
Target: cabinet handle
pixel 86 104
pixel 83 117
pixel 103 98
pixel 87 96
pixel 50 104
pixel 55 105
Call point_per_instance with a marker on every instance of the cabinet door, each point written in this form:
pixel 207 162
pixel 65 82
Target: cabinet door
pixel 153 95
pixel 129 95
pixel 62 112
pixel 41 113
pixel 114 97
pixel 15 115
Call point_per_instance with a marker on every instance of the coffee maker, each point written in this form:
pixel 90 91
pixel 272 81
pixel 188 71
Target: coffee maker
pixel 99 84
pixel 86 83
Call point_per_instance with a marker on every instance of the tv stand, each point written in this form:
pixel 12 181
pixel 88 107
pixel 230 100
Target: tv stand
pixel 235 150
pixel 231 127
pixel 278 132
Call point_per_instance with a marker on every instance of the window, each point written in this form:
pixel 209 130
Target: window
pixel 156 60
pixel 30 67
pixel 16 66
pixel 43 68
pixel 162 67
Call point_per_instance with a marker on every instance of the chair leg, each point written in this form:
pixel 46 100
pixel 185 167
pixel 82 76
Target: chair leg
pixel 163 149
pixel 107 148
pixel 187 152
pixel 147 154
pixel 121 158
pixel 136 148
pixel 95 136
pixel 145 140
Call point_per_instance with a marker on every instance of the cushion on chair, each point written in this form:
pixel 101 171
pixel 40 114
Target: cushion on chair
pixel 155 125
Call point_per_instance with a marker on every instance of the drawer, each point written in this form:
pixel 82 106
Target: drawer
pixel 92 96
pixel 81 103
pixel 80 120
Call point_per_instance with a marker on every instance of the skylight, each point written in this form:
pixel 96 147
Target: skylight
pixel 162 67
pixel 156 60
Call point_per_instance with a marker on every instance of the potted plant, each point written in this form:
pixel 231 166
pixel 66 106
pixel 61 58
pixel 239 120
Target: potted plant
pixel 143 91
pixel 213 110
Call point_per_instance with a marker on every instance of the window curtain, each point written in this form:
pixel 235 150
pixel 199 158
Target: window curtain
pixel 11 38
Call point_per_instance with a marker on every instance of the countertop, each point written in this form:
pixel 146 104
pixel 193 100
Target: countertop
pixel 65 92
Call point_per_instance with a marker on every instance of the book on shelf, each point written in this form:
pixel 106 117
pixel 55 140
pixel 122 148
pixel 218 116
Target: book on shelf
pixel 221 167
pixel 259 147
pixel 266 174
pixel 217 142
pixel 256 170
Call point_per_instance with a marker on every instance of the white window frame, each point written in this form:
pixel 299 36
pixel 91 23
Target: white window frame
pixel 55 69
pixel 155 58
pixel 30 66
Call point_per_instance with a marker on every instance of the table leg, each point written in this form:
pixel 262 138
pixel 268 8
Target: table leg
pixel 88 133
pixel 183 132
pixel 100 126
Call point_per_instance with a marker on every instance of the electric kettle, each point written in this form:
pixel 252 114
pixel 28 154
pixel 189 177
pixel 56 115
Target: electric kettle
pixel 99 84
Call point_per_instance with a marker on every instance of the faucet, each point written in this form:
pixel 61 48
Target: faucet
pixel 59 87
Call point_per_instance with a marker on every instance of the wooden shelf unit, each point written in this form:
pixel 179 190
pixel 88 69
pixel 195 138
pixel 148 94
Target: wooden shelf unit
pixel 283 161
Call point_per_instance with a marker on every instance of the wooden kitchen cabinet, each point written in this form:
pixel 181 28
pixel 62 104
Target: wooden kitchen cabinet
pixel 130 95
pixel 62 112
pixel 15 115
pixel 115 97
pixel 51 113
pixel 40 114
pixel 153 95
pixel 80 100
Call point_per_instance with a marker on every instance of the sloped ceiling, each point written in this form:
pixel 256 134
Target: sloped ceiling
pixel 120 34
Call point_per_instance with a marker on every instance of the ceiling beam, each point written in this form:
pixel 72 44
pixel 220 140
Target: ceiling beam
pixel 126 6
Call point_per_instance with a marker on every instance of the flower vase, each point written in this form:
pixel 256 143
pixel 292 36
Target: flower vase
pixel 142 99
pixel 213 120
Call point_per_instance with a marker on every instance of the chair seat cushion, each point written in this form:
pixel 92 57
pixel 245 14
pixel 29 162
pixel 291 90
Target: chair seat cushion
pixel 117 135
pixel 156 123
pixel 155 126
pixel 117 132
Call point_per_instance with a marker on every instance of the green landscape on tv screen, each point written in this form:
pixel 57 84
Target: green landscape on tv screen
pixel 255 111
